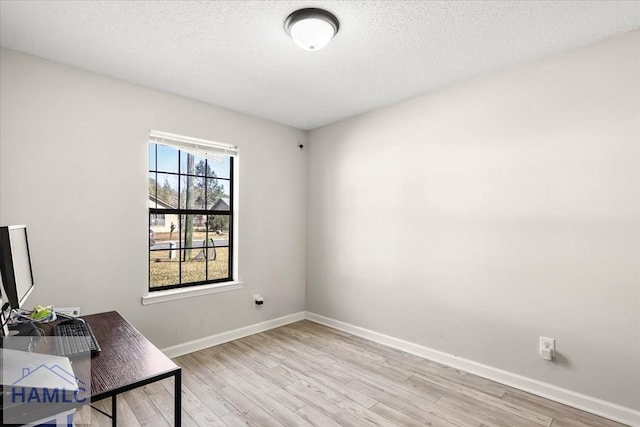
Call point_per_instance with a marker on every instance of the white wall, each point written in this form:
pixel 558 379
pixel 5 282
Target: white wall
pixel 471 220
pixel 73 161
pixel 475 219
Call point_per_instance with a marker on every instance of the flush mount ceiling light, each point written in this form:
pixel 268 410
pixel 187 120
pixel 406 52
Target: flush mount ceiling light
pixel 311 29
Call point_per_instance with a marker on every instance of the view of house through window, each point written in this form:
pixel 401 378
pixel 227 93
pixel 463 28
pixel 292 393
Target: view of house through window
pixel 190 213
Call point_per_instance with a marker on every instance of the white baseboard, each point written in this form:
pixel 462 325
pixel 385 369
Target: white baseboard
pixel 221 338
pixel 571 398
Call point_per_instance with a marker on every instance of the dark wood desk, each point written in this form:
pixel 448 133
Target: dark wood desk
pixel 127 361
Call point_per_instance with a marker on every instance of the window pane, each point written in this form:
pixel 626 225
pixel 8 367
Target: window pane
pixel 218 194
pixel 152 189
pixel 152 157
pixel 167 159
pixel 193 231
pixel 188 192
pixel 197 167
pixel 163 232
pixel 199 193
pixel 219 229
pixel 193 265
pixel 157 220
pixel 218 264
pixel 167 191
pixel 163 268
pixel 221 168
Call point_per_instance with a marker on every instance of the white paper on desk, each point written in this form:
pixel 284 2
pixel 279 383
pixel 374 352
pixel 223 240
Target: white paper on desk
pixel 35 370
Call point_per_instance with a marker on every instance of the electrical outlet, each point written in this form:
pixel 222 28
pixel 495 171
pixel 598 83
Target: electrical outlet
pixel 70 311
pixel 547 348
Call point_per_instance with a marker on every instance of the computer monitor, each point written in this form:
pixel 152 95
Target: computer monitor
pixel 15 264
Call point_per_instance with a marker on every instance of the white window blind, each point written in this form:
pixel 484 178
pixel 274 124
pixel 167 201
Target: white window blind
pixel 200 147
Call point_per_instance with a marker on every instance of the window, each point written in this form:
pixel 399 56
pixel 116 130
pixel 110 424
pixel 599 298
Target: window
pixel 157 220
pixel 191 196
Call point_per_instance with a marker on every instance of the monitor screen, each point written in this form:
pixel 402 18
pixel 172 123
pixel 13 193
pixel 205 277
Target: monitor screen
pixel 15 264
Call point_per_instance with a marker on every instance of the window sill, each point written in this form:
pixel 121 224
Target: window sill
pixel 190 292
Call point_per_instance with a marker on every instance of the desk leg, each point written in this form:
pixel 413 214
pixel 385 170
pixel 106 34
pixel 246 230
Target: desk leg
pixel 178 398
pixel 114 411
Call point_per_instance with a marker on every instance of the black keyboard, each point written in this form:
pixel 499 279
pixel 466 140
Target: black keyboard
pixel 74 339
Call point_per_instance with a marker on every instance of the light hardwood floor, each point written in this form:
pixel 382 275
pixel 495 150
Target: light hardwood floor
pixel 307 374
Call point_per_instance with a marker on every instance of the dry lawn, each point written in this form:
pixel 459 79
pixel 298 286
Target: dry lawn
pixel 165 271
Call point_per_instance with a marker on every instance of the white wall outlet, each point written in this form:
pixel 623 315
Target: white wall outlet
pixel 547 348
pixel 69 311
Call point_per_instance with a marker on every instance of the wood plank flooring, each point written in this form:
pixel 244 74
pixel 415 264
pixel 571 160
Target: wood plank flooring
pixel 305 374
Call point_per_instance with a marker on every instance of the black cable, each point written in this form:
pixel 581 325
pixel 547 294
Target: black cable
pixel 4 308
pixel 6 321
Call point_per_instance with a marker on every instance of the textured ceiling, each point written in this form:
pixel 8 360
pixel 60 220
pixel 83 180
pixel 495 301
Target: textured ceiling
pixel 236 54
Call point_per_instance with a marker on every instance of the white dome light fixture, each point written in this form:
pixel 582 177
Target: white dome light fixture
pixel 311 28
